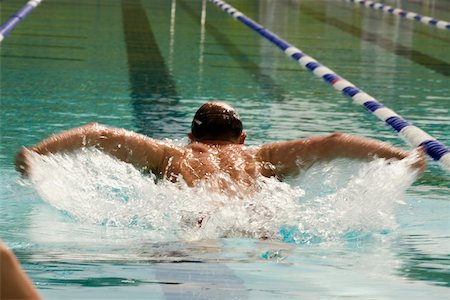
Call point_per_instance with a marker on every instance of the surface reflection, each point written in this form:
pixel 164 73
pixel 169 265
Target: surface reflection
pixel 153 91
pixel 379 39
pixel 417 264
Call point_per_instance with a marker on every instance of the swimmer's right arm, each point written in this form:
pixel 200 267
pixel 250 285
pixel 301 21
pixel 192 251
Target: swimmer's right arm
pixel 141 151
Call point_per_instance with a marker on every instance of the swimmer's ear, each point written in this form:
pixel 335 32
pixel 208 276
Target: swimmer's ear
pixel 242 137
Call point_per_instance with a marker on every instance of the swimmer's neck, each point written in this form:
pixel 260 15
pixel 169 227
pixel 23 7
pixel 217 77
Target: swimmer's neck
pixel 218 142
pixel 212 143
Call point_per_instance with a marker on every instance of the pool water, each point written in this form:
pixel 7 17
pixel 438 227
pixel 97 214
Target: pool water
pixel 86 226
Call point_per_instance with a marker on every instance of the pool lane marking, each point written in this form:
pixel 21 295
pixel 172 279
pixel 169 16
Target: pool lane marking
pixel 266 83
pixel 148 71
pixel 15 19
pixel 414 135
pixel 403 13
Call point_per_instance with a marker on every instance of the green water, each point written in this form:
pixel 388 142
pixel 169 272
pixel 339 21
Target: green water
pixel 147 66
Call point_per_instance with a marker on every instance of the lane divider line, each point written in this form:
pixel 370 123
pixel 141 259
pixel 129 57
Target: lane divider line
pixel 403 13
pixel 15 19
pixel 414 135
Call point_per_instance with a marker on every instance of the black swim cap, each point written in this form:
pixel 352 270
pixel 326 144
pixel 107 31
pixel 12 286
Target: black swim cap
pixel 216 120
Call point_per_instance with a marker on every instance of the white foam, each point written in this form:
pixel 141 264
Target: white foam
pixel 97 189
pixel 360 198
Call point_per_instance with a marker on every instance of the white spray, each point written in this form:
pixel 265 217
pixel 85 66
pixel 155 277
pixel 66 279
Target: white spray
pixel 324 203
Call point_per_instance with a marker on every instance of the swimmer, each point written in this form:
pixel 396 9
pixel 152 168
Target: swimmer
pixel 14 283
pixel 216 146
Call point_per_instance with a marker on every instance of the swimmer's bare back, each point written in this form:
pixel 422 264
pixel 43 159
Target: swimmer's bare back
pixel 234 163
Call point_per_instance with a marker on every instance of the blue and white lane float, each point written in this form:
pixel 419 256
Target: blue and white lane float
pixel 403 13
pixel 15 19
pixel 414 135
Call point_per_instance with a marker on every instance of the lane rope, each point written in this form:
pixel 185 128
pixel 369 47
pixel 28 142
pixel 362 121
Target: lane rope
pixel 403 13
pixel 414 135
pixel 15 19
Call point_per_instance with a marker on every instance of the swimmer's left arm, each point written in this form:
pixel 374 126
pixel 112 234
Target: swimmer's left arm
pixel 141 151
pixel 288 158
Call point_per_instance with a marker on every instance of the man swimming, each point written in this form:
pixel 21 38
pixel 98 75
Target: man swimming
pixel 216 147
pixel 14 282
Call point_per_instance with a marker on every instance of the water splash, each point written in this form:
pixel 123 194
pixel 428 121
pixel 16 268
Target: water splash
pixel 362 198
pixel 329 201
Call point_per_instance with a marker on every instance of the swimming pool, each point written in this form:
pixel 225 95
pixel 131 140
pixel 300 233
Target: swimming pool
pixel 147 66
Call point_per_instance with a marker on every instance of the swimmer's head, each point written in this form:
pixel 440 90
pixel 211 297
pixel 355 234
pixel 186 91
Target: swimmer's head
pixel 217 121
